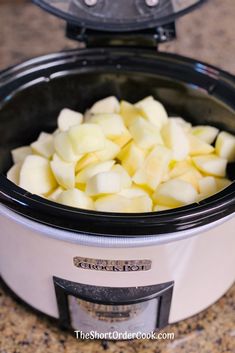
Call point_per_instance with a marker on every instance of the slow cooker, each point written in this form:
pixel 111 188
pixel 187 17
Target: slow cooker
pixel 105 271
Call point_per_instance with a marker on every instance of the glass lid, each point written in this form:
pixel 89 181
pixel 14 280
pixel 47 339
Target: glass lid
pixel 118 15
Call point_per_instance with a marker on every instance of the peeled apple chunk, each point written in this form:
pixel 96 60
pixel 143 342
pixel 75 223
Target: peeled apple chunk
pixel 158 208
pixel 88 159
pixel 55 193
pixel 44 145
pixel 68 118
pixel 110 151
pixel 131 157
pixel 153 111
pixel 122 204
pixel 86 138
pixel 20 153
pixel 225 146
pixel 175 193
pixel 104 183
pixel 151 172
pixel 142 203
pixel 198 147
pixel 75 198
pixel 205 133
pixel 111 124
pixel 207 186
pixel 123 139
pixel 145 134
pixel 133 192
pixel 125 177
pixel 211 165
pixel 222 183
pixel 93 169
pixel 106 105
pixel 129 113
pixel 36 175
pixel 13 173
pixel 183 123
pixel 64 149
pixel 186 171
pixel 63 172
pixel 176 139
pixel 112 203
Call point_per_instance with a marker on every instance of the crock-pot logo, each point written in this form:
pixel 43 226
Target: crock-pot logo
pixel 112 265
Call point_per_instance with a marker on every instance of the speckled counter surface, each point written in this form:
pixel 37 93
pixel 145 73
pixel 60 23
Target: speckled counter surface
pixel 208 35
pixel 212 331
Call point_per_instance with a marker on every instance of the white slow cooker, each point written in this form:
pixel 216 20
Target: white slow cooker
pixel 103 271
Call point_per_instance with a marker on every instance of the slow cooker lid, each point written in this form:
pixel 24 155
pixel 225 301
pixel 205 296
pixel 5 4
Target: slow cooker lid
pixel 118 16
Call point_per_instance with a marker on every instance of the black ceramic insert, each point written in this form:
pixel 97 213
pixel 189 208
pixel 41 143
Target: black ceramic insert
pixel 33 93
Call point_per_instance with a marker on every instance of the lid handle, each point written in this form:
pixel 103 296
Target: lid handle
pixel 143 38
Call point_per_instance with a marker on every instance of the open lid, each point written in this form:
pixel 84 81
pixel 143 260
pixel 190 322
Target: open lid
pixel 118 15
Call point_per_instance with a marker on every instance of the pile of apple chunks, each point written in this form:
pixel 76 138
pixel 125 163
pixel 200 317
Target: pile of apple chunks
pixel 122 157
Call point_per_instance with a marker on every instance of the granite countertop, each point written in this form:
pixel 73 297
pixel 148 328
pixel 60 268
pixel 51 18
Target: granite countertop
pixel 206 34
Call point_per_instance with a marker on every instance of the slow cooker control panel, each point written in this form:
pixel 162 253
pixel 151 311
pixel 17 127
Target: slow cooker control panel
pixel 107 309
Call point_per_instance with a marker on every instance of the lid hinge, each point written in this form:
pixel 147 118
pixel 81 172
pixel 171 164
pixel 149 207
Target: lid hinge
pixel 144 38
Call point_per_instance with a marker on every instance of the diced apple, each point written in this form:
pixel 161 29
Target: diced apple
pixel 36 175
pixel 44 136
pixel 183 123
pixel 55 132
pixel 125 177
pixel 140 204
pixel 112 203
pixel 104 183
pixel 145 134
pixel 153 169
pixel 153 111
pixel 131 157
pixel 88 159
pixel 192 176
pixel 123 139
pixel 55 193
pixel 207 186
pixel 225 146
pixel 132 192
pixel 75 198
pixel 64 172
pixel 13 173
pixel 68 118
pixel 176 139
pixel 44 145
pixel 122 204
pixel 222 183
pixel 86 138
pixel 111 124
pixel 175 193
pixel 211 165
pixel 64 149
pixel 110 151
pixel 180 167
pixel 106 105
pixel 158 208
pixel 93 169
pixel 199 147
pixel 129 113
pixel 205 133
pixel 186 171
pixel 20 153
